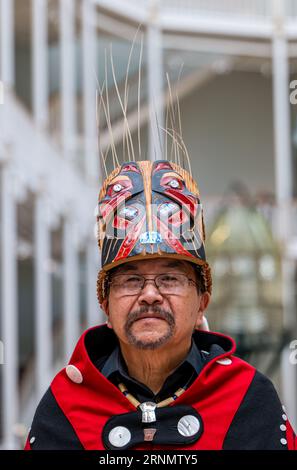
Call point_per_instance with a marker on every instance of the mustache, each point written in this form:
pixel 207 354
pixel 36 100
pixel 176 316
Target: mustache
pixel 161 312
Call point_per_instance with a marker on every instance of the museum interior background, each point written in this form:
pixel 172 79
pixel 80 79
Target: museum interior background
pixel 230 64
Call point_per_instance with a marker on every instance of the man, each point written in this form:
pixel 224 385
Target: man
pixel 153 377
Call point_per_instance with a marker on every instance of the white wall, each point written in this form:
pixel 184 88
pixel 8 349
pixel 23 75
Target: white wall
pixel 227 127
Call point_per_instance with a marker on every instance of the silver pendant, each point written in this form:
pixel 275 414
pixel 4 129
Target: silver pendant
pixel 148 411
pixel 188 425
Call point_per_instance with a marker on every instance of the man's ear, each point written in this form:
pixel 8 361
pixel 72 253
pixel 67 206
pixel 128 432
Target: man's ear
pixel 204 302
pixel 105 308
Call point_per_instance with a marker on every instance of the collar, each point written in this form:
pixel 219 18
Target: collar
pixel 98 343
pixel 116 363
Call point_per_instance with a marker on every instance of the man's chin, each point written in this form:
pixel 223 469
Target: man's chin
pixel 143 346
pixel 148 343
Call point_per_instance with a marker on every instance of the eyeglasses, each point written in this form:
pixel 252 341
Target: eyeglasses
pixel 132 284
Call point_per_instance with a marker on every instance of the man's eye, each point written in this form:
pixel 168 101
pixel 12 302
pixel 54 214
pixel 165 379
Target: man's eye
pixel 126 280
pixel 168 278
pixel 132 279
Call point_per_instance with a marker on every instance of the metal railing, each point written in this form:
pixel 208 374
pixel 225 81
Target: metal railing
pixel 217 9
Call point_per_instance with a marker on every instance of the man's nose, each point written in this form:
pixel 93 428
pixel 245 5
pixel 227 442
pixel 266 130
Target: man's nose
pixel 150 293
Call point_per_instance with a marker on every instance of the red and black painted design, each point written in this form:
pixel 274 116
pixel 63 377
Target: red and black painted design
pixel 122 213
pixel 177 213
pixel 150 209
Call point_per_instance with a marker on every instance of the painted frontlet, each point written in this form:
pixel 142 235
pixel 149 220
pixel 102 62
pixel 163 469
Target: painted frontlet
pixel 150 210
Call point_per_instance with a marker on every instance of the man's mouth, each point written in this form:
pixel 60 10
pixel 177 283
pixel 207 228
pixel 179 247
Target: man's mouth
pixel 153 316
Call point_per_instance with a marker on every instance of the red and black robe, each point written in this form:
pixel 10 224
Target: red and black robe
pixel 237 406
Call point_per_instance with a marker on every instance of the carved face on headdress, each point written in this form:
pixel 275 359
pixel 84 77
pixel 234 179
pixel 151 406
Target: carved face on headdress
pixel 147 210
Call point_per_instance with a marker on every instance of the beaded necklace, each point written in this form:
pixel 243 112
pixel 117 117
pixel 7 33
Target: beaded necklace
pixel 162 403
pixel 122 387
pixel 148 408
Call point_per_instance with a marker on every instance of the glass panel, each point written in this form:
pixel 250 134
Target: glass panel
pixel 26 327
pixel 26 300
pixel 82 290
pixel 23 51
pixel 54 75
pixel 119 52
pixel 57 295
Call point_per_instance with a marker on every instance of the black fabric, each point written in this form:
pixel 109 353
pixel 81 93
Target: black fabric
pixel 116 371
pixel 102 346
pixel 116 362
pixel 51 429
pixel 256 425
pixel 165 426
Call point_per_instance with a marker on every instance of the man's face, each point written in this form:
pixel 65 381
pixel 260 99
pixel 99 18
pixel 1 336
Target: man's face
pixel 151 320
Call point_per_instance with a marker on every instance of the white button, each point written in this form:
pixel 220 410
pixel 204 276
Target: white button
pixel 226 361
pixel 32 440
pixel 283 441
pixel 188 425
pixel 74 374
pixel 119 436
pixel 284 417
pixel 284 408
pixel 283 427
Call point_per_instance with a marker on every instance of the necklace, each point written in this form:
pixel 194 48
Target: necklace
pixel 148 407
pixel 162 403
